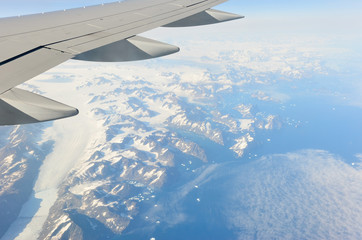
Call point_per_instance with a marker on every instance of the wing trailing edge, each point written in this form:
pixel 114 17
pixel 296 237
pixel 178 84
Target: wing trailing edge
pixel 210 16
pixel 18 106
pixel 131 49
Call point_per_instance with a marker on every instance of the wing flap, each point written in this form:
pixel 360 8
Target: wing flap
pixel 121 26
pixel 206 17
pixel 131 49
pixel 21 107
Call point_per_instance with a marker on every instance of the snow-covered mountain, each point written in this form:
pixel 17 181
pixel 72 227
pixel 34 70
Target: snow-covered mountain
pixel 142 126
pixel 146 128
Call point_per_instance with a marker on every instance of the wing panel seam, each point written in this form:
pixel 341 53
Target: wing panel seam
pixel 138 21
pixel 20 55
pixel 85 21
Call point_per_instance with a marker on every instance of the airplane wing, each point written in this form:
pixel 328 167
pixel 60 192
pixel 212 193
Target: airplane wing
pixel 33 44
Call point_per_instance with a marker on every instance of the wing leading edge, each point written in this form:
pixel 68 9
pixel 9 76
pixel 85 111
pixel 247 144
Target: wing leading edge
pixel 33 44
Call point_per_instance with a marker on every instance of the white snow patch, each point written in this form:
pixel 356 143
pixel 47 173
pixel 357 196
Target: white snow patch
pixel 246 124
pixel 241 144
pixel 86 187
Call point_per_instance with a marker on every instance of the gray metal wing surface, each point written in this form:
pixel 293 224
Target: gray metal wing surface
pixel 33 44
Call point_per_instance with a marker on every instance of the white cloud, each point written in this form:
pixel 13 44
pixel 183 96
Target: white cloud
pixel 310 194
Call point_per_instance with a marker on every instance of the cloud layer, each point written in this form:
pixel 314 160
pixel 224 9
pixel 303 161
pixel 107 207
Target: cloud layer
pixel 310 194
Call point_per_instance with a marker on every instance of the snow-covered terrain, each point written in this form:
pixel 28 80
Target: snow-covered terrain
pixel 141 127
pixel 141 124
